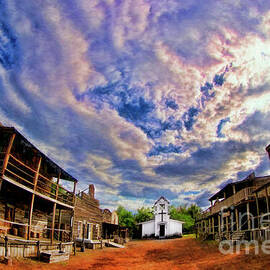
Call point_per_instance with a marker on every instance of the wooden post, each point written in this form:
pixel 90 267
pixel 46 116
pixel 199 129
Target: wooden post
pixel 213 224
pixel 237 219
pixel 59 224
pixel 234 189
pixel 227 224
pixel 232 221
pixel 5 162
pixel 248 216
pixel 258 210
pixel 224 194
pixel 6 246
pixel 38 249
pixel 53 222
pixel 74 188
pixel 219 228
pixel 57 186
pixel 33 199
pixel 74 248
pixel 267 199
pixel 54 207
pixel 60 247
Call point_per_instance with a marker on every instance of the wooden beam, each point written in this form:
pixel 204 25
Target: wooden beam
pixel 237 219
pixel 5 162
pixel 267 199
pixel 234 191
pixel 33 199
pixel 219 223
pixel 57 186
pixel 74 191
pixel 258 210
pixel 53 222
pixel 232 221
pixel 248 216
pixel 59 223
pixel 213 225
pixel 54 207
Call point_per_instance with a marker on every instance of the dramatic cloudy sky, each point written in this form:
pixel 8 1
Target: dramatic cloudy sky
pixel 142 98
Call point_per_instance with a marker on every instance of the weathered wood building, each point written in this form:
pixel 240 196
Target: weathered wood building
pixel 33 191
pixel 87 216
pixel 237 211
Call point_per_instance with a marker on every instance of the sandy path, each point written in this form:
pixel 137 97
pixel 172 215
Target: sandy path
pixel 186 254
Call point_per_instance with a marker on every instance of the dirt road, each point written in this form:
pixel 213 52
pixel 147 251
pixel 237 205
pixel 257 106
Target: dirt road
pixel 186 254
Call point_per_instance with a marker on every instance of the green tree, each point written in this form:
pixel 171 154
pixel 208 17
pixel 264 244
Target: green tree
pixel 187 215
pixel 144 214
pixel 126 218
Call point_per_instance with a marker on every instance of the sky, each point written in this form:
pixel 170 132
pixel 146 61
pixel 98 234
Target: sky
pixel 142 98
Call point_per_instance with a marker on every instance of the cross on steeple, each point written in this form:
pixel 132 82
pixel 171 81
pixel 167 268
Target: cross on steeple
pixel 162 213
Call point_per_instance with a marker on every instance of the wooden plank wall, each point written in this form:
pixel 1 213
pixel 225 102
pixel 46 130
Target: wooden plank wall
pixel 20 251
pixel 39 220
pixel 87 209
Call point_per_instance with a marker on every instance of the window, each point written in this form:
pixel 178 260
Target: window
pixel 162 206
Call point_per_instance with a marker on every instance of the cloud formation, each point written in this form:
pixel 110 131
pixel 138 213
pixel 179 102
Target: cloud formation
pixel 142 99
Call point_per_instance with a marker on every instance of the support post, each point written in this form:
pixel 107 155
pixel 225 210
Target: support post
pixel 38 248
pixel 53 222
pixel 54 208
pixel 237 219
pixel 227 224
pixel 6 246
pixel 74 190
pixel 33 199
pixel 219 228
pixel 248 216
pixel 258 210
pixel 267 199
pixel 74 248
pixel 213 225
pixel 5 162
pixel 59 225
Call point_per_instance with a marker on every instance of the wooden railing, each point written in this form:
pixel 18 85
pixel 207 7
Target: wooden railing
pixel 243 194
pixel 25 175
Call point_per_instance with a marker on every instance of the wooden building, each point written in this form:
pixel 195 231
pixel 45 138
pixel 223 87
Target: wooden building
pixel 111 228
pixel 87 216
pixel 236 211
pixel 33 190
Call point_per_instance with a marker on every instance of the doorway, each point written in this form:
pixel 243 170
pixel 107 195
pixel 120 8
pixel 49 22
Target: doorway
pixel 161 230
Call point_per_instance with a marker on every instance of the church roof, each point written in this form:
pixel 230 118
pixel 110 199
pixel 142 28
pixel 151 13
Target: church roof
pixel 163 199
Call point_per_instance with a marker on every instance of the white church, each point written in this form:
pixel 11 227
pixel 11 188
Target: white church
pixel 162 226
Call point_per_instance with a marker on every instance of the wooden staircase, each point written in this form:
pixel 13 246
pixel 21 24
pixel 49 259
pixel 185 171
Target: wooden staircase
pixel 237 236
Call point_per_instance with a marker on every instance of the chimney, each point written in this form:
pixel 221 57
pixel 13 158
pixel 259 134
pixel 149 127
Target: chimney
pixel 268 150
pixel 92 191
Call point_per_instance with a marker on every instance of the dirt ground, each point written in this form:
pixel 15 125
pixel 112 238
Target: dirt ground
pixel 185 253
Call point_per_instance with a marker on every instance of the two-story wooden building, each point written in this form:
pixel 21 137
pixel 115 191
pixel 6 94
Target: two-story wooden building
pixel 236 210
pixel 87 216
pixel 33 190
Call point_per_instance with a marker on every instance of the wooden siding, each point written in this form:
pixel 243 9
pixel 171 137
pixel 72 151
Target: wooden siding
pixel 87 211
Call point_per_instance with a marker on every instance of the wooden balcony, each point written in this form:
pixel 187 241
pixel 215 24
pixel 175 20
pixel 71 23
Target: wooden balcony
pixel 243 194
pixel 22 175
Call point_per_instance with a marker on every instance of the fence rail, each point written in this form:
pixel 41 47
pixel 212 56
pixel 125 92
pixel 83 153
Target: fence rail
pixel 24 174
pixel 30 248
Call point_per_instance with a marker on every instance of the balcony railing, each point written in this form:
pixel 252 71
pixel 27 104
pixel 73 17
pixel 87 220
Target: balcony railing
pixel 243 194
pixel 25 175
